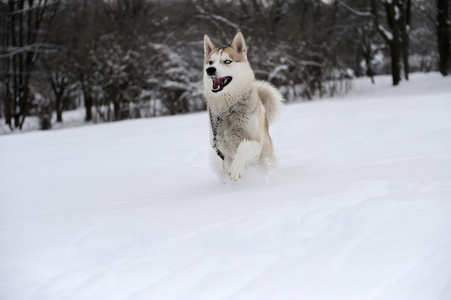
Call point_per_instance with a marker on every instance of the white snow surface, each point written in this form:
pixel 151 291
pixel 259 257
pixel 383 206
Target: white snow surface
pixel 359 207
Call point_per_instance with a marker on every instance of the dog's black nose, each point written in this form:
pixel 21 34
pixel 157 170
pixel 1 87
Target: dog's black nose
pixel 211 71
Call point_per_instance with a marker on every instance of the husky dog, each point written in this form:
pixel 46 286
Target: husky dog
pixel 240 108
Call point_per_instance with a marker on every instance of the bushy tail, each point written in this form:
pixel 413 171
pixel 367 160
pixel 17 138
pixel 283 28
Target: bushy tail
pixel 271 99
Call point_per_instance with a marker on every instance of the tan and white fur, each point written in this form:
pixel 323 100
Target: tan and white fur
pixel 243 138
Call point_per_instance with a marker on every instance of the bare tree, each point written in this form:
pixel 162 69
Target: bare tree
pixel 443 36
pixel 391 36
pixel 63 87
pixel 405 7
pixel 396 36
pixel 24 38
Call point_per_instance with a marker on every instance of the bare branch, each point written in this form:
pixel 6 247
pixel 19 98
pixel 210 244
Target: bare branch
pixel 208 15
pixel 28 9
pixel 6 52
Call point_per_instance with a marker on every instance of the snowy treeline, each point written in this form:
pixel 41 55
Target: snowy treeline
pixel 123 59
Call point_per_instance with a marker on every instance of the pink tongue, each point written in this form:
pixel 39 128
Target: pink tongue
pixel 217 81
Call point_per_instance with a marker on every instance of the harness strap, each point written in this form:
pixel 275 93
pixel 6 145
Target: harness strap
pixel 223 116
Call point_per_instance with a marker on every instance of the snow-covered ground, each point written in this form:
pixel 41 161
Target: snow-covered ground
pixel 359 208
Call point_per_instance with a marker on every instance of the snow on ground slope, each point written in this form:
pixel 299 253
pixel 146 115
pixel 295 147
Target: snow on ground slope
pixel 359 207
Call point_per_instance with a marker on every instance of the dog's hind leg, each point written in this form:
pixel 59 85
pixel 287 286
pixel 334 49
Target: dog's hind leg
pixel 247 150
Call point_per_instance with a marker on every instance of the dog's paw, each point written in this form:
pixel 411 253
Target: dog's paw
pixel 236 171
pixel 235 175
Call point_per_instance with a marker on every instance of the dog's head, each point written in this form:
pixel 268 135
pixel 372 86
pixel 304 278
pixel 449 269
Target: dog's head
pixel 226 69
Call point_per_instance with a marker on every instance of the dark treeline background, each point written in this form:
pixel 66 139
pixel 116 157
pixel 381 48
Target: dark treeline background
pixel 123 59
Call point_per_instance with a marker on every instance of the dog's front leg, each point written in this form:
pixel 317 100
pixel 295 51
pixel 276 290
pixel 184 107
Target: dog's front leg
pixel 247 150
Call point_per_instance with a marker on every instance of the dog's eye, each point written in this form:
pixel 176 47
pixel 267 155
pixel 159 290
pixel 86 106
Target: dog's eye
pixel 210 62
pixel 227 61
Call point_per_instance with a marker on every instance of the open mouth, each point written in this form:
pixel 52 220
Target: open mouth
pixel 220 82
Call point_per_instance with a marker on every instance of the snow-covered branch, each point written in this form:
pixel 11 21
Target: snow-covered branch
pixel 355 12
pixel 386 35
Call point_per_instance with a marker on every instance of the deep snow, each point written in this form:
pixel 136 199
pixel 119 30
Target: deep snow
pixel 359 207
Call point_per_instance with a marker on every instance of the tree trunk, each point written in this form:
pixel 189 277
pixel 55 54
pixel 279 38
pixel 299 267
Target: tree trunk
pixel 367 53
pixel 59 107
pixel 117 110
pixel 405 28
pixel 6 65
pixel 88 107
pixel 395 54
pixel 59 116
pixel 392 39
pixel 395 50
pixel 443 37
pixel 395 43
pixel 405 52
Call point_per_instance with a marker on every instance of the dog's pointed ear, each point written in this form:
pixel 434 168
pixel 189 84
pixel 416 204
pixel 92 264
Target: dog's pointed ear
pixel 238 43
pixel 208 46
